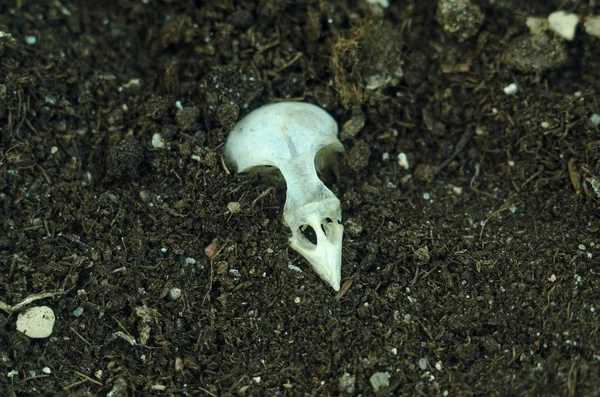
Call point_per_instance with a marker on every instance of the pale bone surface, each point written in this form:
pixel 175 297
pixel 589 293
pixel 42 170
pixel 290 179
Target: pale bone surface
pixel 296 137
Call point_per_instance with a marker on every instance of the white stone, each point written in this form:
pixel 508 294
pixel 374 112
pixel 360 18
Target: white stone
pixel 157 141
pixel 595 118
pixel 563 24
pixel 403 161
pixel 592 25
pixel 379 380
pixel 511 89
pixel 36 322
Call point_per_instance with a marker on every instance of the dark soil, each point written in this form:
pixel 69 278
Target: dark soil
pixel 474 272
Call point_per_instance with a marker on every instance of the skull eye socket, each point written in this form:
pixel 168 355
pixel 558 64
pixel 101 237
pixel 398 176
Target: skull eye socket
pixel 309 233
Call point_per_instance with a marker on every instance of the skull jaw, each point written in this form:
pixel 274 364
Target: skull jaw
pixel 325 257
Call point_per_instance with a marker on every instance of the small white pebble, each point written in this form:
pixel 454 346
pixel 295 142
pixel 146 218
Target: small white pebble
pixel 30 39
pixel 190 261
pixel 403 160
pixel 563 24
pixel 592 25
pixel 394 351
pixel 46 370
pixel 511 163
pixel 426 196
pixel 36 322
pixel 157 141
pixel 457 190
pixel 178 105
pixel 438 365
pixel 12 373
pixel 423 363
pixel 297 299
pixel 581 247
pixel 595 118
pixel 511 89
pixel 545 124
pixel 235 273
pixel 175 293
pixel 256 379
pixel 385 156
pixel 552 278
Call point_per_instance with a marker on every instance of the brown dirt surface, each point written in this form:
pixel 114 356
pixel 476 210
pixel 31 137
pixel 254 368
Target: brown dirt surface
pixel 474 272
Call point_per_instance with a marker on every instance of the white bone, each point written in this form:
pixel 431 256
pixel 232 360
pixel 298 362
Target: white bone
pixel 297 138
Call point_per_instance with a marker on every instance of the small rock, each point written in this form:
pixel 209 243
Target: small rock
pixel 460 18
pixel 212 249
pixel 179 364
pixel 36 322
pixel 353 126
pixel 592 25
pixel 403 161
pixel 423 363
pixel 379 380
pixel 78 311
pixel 158 141
pixel 563 24
pixel 511 89
pixel 234 207
pixel 175 293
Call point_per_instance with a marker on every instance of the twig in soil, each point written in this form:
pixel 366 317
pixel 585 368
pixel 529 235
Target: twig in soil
pixel 32 298
pixel 206 391
pixel 291 62
pixel 225 166
pixel 505 207
pixel 263 194
pixel 460 145
pixel 80 337
pixel 84 376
